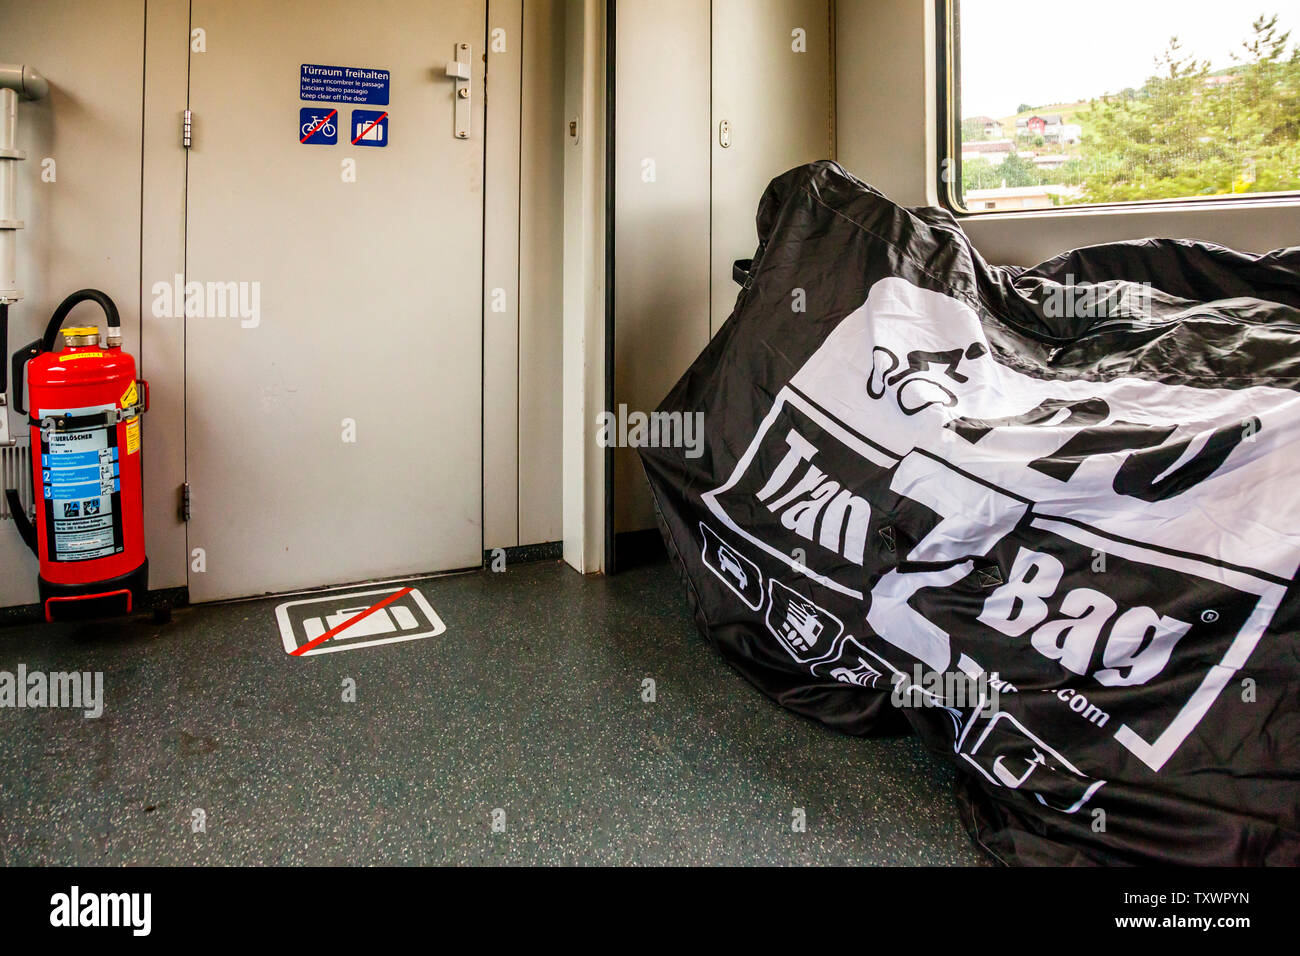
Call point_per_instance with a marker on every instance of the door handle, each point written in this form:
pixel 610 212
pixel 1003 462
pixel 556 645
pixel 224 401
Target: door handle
pixel 461 71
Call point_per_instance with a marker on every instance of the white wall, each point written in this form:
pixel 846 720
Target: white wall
pixel 773 82
pixel 662 191
pixel 881 97
pixel 684 205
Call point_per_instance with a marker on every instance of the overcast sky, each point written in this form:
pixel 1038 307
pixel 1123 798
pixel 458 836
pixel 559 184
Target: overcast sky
pixel 1058 51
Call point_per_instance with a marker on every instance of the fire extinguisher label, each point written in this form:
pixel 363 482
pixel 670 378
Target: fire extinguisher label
pixel 81 482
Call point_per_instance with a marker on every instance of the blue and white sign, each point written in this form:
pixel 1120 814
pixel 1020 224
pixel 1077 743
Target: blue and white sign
pixel 343 84
pixel 369 128
pixel 318 126
pixel 57 476
pixel 60 491
pixel 69 459
pixel 80 478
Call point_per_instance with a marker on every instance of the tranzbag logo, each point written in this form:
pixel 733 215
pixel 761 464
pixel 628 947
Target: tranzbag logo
pixel 950 512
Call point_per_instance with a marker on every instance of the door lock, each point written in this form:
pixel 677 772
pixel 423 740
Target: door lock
pixel 724 134
pixel 461 71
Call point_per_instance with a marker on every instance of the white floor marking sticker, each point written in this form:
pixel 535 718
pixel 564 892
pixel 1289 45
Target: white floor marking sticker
pixel 404 617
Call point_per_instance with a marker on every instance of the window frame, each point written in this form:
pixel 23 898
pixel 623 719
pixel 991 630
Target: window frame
pixel 947 58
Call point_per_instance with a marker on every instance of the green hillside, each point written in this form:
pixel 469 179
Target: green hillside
pixel 1186 132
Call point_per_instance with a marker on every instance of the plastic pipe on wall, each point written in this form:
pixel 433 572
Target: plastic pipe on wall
pixel 23 80
pixel 15 81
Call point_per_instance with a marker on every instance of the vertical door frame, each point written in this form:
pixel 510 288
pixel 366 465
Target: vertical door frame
pixel 164 170
pixel 611 73
pixel 586 349
pixel 501 271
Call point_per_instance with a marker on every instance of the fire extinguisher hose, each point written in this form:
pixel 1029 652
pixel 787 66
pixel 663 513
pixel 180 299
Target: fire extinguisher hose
pixel 22 524
pixel 4 346
pixel 67 305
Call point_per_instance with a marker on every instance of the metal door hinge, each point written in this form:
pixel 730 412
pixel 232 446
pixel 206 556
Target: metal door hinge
pixel 184 512
pixel 461 70
pixel 187 128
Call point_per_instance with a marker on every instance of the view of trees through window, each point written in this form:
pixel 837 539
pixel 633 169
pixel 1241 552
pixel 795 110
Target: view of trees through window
pixel 1210 114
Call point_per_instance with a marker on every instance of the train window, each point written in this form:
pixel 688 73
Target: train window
pixel 1064 104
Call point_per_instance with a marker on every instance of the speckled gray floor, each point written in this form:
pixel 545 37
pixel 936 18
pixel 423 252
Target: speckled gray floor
pixel 530 702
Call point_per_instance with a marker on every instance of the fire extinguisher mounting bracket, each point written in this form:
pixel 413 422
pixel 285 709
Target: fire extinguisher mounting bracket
pixel 65 423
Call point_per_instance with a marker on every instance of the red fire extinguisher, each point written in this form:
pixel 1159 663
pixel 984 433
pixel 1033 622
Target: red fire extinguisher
pixel 85 407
